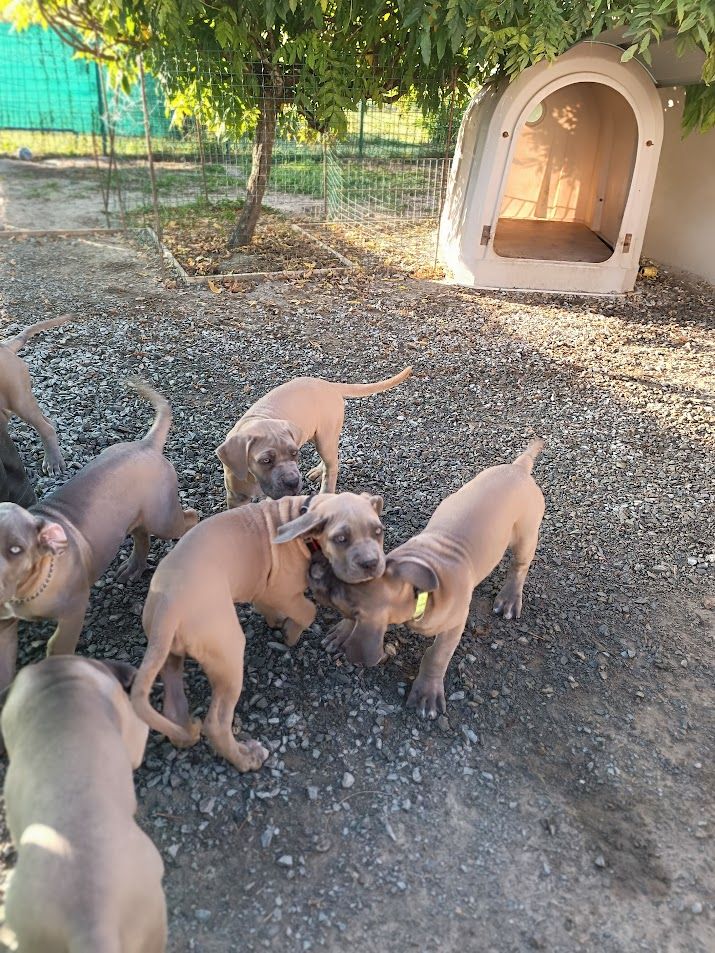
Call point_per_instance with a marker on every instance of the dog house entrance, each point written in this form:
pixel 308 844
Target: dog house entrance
pixel 570 177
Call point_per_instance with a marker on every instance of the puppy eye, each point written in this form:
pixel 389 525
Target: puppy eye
pixel 340 539
pixel 15 550
pixel 266 461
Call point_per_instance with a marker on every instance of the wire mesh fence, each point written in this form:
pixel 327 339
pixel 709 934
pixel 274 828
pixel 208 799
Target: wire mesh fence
pixel 390 163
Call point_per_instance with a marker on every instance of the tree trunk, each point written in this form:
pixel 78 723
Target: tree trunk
pixel 263 141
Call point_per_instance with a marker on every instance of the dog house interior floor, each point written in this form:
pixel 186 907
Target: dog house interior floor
pixel 549 241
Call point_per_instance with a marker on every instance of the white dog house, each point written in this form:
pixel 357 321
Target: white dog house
pixel 552 177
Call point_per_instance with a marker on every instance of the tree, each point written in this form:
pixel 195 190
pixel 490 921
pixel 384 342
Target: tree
pixel 320 58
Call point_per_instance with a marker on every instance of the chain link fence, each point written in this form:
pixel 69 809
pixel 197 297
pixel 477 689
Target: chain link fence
pixel 158 149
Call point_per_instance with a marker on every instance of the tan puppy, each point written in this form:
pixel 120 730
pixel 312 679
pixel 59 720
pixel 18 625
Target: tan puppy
pixel 51 554
pixel 87 879
pixel 16 395
pixel 245 555
pixel 260 453
pixel 428 581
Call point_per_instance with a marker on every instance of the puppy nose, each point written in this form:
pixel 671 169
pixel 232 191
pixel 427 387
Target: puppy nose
pixel 369 563
pixel 292 481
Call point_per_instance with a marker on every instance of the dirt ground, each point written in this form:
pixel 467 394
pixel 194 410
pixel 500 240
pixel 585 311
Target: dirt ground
pixel 566 802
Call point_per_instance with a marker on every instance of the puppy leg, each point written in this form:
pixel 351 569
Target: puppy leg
pixel 274 619
pixel 167 519
pixel 327 446
pixel 8 651
pixel 523 547
pixel 427 693
pixel 300 614
pixel 133 567
pixel 222 661
pixel 69 627
pixel 316 474
pixel 176 705
pixel 26 407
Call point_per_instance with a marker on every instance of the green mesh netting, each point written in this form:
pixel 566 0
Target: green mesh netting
pixel 43 87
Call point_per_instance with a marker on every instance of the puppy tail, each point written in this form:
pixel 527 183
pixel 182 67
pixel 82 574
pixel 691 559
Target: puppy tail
pixel 364 390
pixel 160 642
pixel 162 422
pixel 20 340
pixel 527 458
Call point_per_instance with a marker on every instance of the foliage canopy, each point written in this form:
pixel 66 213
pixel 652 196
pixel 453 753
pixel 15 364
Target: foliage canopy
pixel 330 54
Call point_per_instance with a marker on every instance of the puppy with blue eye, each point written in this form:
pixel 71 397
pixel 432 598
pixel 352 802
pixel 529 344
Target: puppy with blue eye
pixel 260 554
pixel 428 581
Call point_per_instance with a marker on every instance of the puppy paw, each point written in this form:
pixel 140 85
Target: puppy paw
pixel 427 696
pixel 316 474
pixel 338 635
pixel 129 571
pixel 292 632
pixel 508 604
pixel 189 734
pixel 53 465
pixel 249 755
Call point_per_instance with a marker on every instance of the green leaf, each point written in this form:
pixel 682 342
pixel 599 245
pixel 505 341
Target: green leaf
pixel 425 46
pixel 629 53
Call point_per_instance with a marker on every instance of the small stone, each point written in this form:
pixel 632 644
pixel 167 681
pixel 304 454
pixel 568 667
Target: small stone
pixel 348 780
pixel 312 793
pixel 285 860
pixel 696 907
pixel 470 735
pixel 417 775
pixel 202 915
pixel 207 805
pixel 600 861
pixel 267 837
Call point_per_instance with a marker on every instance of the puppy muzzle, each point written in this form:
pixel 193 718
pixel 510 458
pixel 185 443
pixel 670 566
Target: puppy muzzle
pixel 284 482
pixel 364 563
pixel 360 651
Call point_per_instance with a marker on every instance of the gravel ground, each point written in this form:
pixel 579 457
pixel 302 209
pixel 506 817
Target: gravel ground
pixel 566 801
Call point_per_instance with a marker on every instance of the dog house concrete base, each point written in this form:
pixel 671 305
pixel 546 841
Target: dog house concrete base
pixel 552 177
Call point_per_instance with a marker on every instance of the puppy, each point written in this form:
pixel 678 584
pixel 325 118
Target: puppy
pixel 259 553
pixel 87 877
pixel 51 554
pixel 16 395
pixel 428 581
pixel 260 454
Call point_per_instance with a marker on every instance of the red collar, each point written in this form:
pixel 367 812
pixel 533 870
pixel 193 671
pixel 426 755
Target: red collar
pixel 313 545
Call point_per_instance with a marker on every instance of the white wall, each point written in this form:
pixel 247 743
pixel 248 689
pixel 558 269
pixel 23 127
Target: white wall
pixel 681 225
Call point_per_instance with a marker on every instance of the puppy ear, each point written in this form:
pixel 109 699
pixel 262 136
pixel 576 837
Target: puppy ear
pixel 124 672
pixel 417 573
pixel 376 502
pixel 309 523
pixel 294 432
pixel 233 453
pixel 52 538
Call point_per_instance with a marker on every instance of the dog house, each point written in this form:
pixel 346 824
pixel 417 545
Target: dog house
pixel 552 177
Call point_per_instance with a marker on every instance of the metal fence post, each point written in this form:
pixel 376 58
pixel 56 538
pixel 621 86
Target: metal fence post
pixel 150 156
